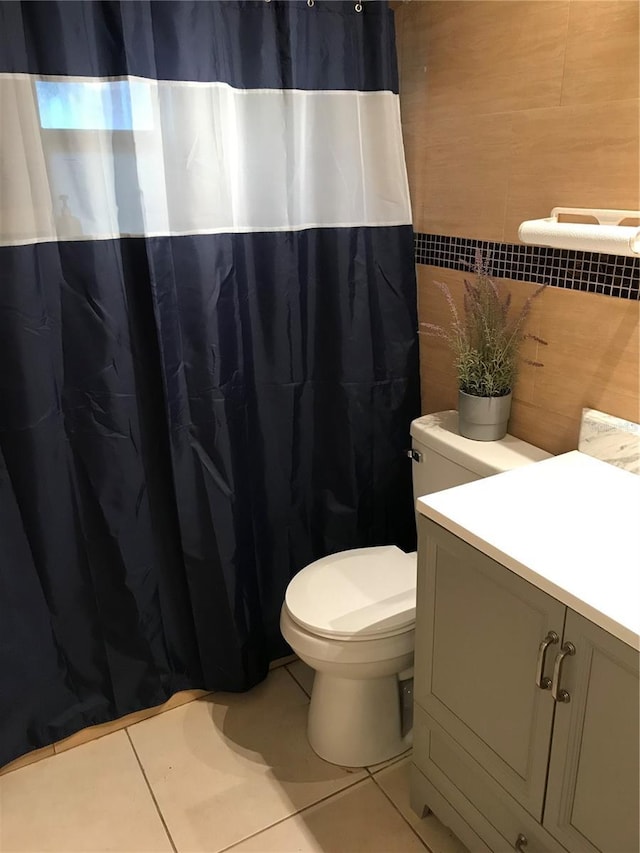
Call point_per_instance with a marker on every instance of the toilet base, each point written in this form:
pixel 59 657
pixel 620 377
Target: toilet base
pixel 356 722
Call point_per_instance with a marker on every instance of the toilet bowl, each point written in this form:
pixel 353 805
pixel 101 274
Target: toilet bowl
pixel 351 616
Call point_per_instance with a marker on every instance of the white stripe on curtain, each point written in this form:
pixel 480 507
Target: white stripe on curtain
pixel 98 158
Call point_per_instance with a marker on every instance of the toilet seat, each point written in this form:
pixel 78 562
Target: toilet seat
pixel 360 594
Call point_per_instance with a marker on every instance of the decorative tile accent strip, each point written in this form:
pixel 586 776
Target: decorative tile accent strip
pixel 612 275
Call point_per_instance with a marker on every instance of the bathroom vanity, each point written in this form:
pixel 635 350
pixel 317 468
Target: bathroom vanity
pixel 526 716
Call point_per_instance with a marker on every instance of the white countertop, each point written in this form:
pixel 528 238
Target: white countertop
pixel 570 525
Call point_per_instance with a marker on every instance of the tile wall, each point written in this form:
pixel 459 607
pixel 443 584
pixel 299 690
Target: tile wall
pixel 510 109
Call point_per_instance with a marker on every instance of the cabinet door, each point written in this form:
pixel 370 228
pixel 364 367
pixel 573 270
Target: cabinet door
pixel 593 792
pixel 478 630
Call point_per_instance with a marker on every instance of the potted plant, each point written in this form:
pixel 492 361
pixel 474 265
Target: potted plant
pixel 485 342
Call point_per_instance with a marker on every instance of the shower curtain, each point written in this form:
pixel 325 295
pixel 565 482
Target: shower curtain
pixel 208 339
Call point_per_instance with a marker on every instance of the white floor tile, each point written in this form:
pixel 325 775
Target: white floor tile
pixel 91 798
pixel 374 768
pixel 394 781
pixel 359 820
pixel 303 674
pixel 282 661
pixel 231 765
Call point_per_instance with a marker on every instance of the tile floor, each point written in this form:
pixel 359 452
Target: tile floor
pixel 225 772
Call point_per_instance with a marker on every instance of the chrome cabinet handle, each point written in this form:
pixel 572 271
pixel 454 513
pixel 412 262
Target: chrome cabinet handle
pixel 558 694
pixel 521 842
pixel 543 681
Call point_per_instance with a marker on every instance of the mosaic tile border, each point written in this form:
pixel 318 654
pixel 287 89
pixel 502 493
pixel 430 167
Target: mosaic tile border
pixel 591 272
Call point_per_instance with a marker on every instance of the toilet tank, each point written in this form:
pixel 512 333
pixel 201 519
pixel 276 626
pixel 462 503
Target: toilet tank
pixel 442 458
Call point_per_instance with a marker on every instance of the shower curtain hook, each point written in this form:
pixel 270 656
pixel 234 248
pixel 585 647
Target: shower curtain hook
pixel 311 3
pixel 358 7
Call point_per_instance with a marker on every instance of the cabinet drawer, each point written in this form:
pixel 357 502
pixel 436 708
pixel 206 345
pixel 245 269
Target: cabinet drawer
pixel 425 798
pixel 483 804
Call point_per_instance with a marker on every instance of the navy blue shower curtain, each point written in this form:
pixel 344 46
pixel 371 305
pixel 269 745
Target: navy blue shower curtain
pixel 208 340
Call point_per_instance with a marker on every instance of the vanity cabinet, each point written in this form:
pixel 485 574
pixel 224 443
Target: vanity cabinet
pixel 496 757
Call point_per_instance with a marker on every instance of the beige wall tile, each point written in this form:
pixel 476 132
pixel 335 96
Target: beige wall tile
pixel 551 431
pixel 415 23
pixel 487 57
pixel 439 386
pixel 602 59
pixel 463 173
pixel 582 156
pixel 411 45
pixel 508 58
pixel 414 147
pixel 464 184
pixel 439 381
pixel 432 305
pixel 592 360
pixel 592 357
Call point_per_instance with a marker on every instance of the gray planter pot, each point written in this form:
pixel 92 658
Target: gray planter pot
pixel 483 418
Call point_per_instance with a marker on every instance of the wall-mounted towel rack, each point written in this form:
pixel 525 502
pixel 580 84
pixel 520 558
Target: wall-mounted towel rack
pixel 607 235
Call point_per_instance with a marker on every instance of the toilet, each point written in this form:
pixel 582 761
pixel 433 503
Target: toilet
pixel 351 616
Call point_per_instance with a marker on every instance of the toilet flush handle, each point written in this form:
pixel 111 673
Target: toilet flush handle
pixel 414 454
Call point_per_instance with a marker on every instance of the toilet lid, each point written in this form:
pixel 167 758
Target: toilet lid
pixel 365 592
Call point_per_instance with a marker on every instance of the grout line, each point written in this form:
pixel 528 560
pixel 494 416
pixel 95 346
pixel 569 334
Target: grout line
pixel 390 762
pixel 564 57
pixel 308 695
pixel 293 814
pixel 283 661
pixel 568 269
pixel 412 828
pixel 153 796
